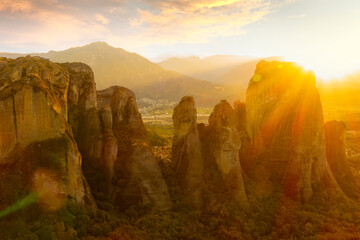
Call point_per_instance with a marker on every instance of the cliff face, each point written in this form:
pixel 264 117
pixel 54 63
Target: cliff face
pixel 51 120
pixel 187 160
pixel 285 124
pixel 83 115
pixel 202 153
pixel 336 157
pixel 112 139
pixel 224 140
pixel 36 143
pixel 127 155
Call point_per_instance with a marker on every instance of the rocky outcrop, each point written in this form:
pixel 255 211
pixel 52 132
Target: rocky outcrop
pixel 127 156
pixel 285 124
pixel 336 157
pixel 50 110
pixel 83 114
pixel 38 152
pixel 200 153
pixel 187 160
pixel 223 143
pixel 110 146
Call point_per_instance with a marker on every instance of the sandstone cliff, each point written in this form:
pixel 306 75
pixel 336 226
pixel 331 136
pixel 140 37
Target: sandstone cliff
pixel 112 140
pixel 127 156
pixel 222 141
pixel 83 114
pixel 38 152
pixel 51 120
pixel 336 157
pixel 285 124
pixel 187 160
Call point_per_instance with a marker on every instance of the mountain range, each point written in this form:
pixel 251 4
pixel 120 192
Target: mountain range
pixel 209 79
pixel 115 66
pixel 209 68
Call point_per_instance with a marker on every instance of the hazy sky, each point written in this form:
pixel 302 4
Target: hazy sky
pixel 323 35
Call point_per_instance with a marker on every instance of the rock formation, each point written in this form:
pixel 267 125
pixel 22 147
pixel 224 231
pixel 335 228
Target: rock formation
pixel 200 153
pixel 110 146
pixel 51 120
pixel 223 142
pixel 285 124
pixel 336 157
pixel 127 155
pixel 83 114
pixel 38 152
pixel 187 160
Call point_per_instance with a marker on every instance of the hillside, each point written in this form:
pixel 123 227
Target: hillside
pixel 115 66
pixel 111 66
pixel 208 68
pixel 206 94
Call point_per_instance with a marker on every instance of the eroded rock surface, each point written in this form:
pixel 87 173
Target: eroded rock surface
pixel 285 125
pixel 37 150
pixel 222 141
pixel 336 156
pixel 136 176
pixel 50 110
pixel 83 114
pixel 187 160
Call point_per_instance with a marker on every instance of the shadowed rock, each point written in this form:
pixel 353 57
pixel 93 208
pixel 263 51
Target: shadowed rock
pixel 285 125
pixel 83 115
pixel 336 156
pixel 110 146
pixel 222 141
pixel 187 160
pixel 136 175
pixel 112 139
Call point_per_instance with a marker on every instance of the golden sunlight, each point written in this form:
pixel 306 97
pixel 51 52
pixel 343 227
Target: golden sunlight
pixel 180 119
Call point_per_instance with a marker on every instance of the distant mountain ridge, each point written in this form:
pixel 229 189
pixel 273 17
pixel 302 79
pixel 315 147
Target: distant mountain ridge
pixel 115 66
pixel 227 70
pixel 111 66
pixel 209 68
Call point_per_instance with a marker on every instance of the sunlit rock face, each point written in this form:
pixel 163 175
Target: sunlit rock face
pixel 336 156
pixel 223 142
pixel 285 124
pixel 35 138
pixel 187 160
pixel 128 157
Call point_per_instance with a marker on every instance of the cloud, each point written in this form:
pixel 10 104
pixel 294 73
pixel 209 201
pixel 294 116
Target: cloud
pixel 59 24
pixel 53 24
pixel 101 19
pixel 190 21
pixel 297 16
pixel 15 6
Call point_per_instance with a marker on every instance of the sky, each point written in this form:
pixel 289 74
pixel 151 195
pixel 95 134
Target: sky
pixel 321 35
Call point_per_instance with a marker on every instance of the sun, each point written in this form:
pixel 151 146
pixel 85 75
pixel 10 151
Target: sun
pixel 323 67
